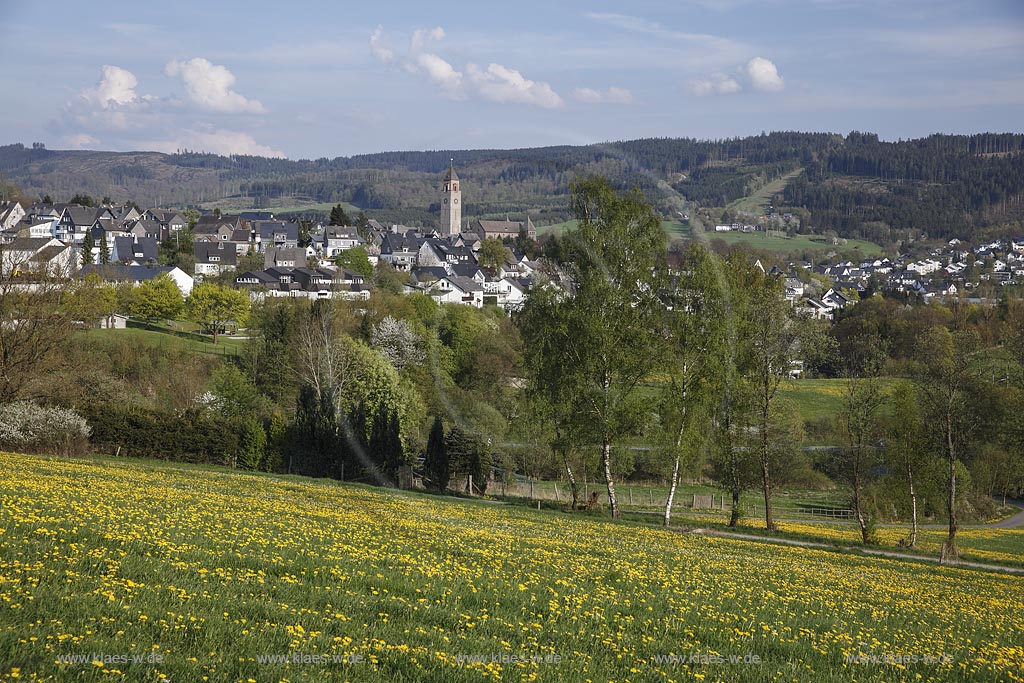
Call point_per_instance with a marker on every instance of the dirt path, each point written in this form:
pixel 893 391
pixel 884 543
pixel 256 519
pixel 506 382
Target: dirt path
pixel 856 551
pixel 1015 522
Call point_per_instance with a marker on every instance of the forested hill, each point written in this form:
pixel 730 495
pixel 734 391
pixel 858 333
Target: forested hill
pixel 856 185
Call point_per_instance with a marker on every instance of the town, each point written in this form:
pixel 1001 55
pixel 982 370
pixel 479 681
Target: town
pixel 469 262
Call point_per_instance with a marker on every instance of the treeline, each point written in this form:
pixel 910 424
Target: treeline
pixel 694 361
pixel 856 185
pixel 944 186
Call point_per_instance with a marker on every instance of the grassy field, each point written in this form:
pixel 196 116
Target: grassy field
pixel 823 398
pixel 164 331
pixel 752 203
pixel 235 204
pixel 671 228
pixel 206 574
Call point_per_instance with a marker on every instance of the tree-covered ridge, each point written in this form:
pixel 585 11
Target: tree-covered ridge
pixel 857 185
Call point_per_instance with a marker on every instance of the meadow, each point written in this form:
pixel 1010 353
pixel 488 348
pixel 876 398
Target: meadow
pixel 143 571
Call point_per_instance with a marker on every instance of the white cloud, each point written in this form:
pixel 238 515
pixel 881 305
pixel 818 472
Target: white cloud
pixel 377 47
pixel 115 89
pixel 497 83
pixel 764 75
pixel 502 84
pixel 440 72
pixel 209 86
pixel 716 84
pixel 215 141
pixel 612 95
pixel 82 141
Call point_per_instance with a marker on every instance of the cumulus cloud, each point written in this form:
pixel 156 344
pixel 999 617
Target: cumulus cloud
pixel 497 83
pixel 209 86
pixel 760 73
pixel 764 75
pixel 81 141
pixel 610 96
pixel 502 84
pixel 115 89
pixel 216 141
pixel 440 72
pixel 716 84
pixel 377 47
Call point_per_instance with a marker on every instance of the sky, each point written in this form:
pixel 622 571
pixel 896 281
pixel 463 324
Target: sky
pixel 325 79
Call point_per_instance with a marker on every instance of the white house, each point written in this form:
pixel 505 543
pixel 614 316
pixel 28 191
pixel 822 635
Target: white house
pixel 457 289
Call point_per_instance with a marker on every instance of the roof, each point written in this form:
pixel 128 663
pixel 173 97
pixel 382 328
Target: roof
pixel 32 244
pixel 450 174
pixel 126 249
pixel 257 216
pixel 81 215
pixel 204 250
pixel 501 226
pixel 465 284
pixel 126 273
pixel 47 254
pixel 267 229
pixel 297 255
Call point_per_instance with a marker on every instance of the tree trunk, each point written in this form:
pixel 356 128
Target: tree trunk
pixel 912 542
pixel 675 473
pixel 766 480
pixel 606 463
pixel 861 520
pixel 572 482
pixel 950 553
pixel 734 518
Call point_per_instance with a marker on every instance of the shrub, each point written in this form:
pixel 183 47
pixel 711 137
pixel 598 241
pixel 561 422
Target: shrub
pixel 28 426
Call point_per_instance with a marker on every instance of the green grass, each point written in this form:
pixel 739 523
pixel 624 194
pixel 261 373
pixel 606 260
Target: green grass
pixel 210 570
pixel 752 203
pixel 780 243
pixel 672 228
pixel 236 204
pixel 161 332
pixel 823 398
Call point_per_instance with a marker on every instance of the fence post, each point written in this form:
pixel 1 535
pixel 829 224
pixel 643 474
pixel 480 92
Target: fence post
pixel 556 492
pixel 469 484
pixel 531 489
pixel 631 496
pixel 652 495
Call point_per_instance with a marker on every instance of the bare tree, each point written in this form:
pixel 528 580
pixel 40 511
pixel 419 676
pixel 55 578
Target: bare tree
pixel 38 309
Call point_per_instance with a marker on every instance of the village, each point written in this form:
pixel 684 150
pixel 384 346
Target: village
pixel 123 243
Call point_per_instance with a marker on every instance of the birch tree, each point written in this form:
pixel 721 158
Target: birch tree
pixel 600 336
pixel 694 331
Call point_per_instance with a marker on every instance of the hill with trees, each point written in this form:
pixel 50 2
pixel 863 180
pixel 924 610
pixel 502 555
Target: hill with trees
pixel 855 185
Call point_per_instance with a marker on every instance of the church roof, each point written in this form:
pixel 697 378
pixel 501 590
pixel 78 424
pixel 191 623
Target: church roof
pixel 450 174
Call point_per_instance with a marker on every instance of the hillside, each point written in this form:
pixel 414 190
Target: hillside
pixel 189 573
pixel 856 185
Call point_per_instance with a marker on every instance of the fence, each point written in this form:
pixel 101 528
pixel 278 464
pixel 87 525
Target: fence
pixel 647 497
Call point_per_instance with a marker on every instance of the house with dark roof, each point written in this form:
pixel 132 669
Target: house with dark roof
pixel 504 229
pixel 38 254
pixel 134 251
pixel 399 250
pixel 277 234
pixel 213 258
pixel 136 275
pixel 456 289
pixel 275 257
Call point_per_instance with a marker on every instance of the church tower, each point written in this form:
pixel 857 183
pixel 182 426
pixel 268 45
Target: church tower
pixel 451 203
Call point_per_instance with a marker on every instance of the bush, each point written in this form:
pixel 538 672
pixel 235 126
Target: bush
pixel 28 426
pixel 186 437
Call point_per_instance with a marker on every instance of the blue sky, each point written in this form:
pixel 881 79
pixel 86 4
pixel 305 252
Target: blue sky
pixel 313 79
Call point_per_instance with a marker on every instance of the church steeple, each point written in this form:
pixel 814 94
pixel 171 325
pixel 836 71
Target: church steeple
pixel 451 202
